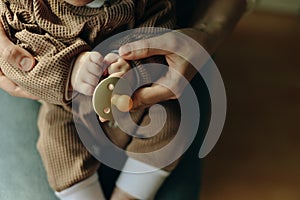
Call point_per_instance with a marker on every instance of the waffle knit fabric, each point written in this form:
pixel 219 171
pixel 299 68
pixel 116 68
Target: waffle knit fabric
pixel 55 32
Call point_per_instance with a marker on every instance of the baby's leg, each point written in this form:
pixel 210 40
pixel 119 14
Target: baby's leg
pixel 129 185
pixel 71 170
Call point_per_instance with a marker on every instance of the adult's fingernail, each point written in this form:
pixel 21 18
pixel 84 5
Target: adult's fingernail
pixel 26 64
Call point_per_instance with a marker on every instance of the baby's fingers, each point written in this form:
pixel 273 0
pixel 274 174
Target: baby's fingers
pixel 116 63
pixel 111 58
pixel 94 69
pixel 85 88
pixel 120 66
pixel 95 64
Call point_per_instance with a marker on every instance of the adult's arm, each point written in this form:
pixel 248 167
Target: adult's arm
pixel 17 57
pixel 49 77
pixel 209 30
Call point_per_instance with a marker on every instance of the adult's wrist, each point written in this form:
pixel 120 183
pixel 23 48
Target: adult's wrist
pixel 219 21
pixel 208 41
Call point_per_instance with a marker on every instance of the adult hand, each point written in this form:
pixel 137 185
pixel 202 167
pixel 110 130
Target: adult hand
pixel 175 45
pixel 210 30
pixel 17 57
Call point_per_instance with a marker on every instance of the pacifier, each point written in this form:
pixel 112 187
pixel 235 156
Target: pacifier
pixel 112 93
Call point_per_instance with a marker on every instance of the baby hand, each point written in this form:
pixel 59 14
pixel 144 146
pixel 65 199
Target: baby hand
pixel 117 66
pixel 87 70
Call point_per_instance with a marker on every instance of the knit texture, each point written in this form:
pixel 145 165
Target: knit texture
pixel 55 32
pixel 65 158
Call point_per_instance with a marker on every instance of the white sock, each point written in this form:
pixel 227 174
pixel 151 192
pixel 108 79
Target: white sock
pixel 88 189
pixel 141 185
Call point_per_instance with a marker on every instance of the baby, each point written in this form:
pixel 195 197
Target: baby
pixel 61 35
